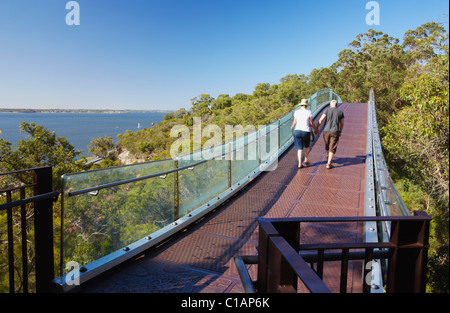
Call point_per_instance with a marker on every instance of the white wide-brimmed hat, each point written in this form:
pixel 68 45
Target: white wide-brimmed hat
pixel 304 102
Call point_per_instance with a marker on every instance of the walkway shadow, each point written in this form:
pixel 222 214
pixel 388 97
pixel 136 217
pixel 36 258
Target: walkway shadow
pixel 345 161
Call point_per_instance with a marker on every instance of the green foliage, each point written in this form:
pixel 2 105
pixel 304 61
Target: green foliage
pixel 96 225
pixel 40 148
pixel 100 146
pixel 374 60
pixel 417 141
pixel 222 102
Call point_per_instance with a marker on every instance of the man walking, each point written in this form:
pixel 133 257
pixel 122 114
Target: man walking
pixel 334 124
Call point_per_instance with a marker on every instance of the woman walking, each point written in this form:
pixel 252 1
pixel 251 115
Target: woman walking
pixel 303 123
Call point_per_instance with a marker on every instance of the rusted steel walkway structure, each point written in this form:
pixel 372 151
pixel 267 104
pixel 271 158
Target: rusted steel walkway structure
pixel 200 259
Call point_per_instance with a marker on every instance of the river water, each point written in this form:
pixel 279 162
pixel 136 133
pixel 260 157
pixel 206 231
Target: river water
pixel 79 128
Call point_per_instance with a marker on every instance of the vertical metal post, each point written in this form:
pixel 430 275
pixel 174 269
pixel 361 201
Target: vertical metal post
pixel 265 231
pixel 229 164
pixel 43 225
pixel 291 232
pixel 281 277
pixel 259 146
pixel 61 251
pixel 23 222
pixel 344 271
pixel 279 134
pixel 320 260
pixel 176 196
pixel 9 222
pixel 368 258
pixel 408 260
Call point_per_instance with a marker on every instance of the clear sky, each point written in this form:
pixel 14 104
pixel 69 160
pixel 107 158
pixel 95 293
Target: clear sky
pixel 159 54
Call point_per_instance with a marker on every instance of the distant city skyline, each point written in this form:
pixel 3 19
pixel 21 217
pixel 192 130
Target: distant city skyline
pixel 157 55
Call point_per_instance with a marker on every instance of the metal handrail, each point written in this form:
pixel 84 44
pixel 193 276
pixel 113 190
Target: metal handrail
pixel 50 195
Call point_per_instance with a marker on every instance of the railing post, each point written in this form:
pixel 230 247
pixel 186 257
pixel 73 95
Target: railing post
pixel 43 224
pixel 23 223
pixel 176 196
pixel 279 134
pixel 274 273
pixel 408 260
pixel 266 230
pixel 259 147
pixel 291 232
pixel 230 156
pixel 280 275
pixel 9 222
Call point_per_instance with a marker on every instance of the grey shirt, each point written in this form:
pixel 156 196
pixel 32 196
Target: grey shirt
pixel 333 119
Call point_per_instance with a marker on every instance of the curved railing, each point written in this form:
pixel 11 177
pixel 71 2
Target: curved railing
pixel 110 215
pixel 388 200
pixel 381 196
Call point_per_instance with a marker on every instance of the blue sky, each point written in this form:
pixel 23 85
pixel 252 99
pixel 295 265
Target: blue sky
pixel 159 54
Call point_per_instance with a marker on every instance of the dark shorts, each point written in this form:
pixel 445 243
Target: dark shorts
pixel 331 141
pixel 302 139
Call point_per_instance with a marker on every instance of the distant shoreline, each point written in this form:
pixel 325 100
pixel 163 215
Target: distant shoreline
pixel 81 111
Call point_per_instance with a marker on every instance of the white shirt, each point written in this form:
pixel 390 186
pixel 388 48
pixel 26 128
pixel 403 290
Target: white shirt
pixel 302 116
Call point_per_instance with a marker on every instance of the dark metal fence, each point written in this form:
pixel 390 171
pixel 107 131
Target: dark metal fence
pixel 282 258
pixel 42 205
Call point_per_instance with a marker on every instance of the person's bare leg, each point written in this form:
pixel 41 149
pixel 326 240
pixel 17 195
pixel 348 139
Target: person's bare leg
pixel 330 158
pixel 300 155
pixel 306 154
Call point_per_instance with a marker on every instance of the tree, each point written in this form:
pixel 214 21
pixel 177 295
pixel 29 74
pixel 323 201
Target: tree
pixel 261 90
pixel 101 146
pixel 320 79
pixel 40 148
pixel 417 140
pixel 222 102
pixel 292 89
pixel 374 60
pixel 202 105
pixel 427 49
pixel 426 42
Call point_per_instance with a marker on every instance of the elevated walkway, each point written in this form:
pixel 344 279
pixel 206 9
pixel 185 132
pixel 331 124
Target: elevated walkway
pixel 200 258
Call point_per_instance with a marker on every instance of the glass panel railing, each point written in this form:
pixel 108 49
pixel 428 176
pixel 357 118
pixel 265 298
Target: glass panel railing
pixel 199 184
pixel 82 180
pixel 106 210
pixel 285 130
pixel 101 221
pixel 268 142
pixel 245 160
